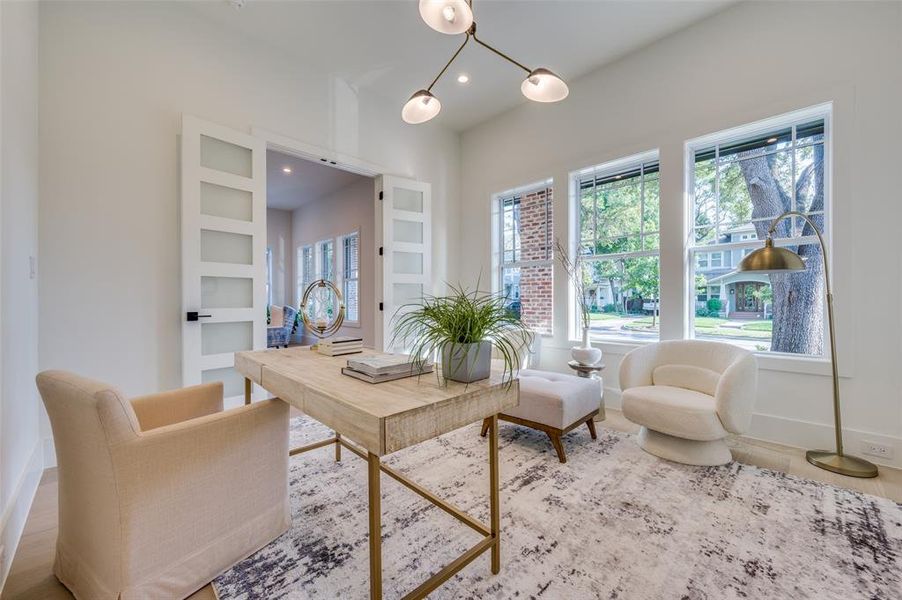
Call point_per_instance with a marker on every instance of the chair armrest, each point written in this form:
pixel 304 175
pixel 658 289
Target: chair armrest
pixel 166 408
pixel 736 393
pixel 637 366
pixel 183 485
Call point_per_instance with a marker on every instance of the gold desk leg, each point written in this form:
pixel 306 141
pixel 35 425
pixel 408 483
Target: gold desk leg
pixel 337 447
pixel 494 502
pixel 247 390
pixel 375 498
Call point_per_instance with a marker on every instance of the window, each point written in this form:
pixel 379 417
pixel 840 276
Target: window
pixel 741 180
pixel 616 205
pixel 269 277
pixel 325 252
pixel 716 259
pixel 350 261
pixel 306 272
pixel 523 234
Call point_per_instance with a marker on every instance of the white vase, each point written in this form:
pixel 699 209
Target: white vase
pixel 586 354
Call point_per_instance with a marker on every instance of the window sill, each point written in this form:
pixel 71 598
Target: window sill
pixel 786 363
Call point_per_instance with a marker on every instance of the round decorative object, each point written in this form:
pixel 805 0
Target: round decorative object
pixel 585 356
pixel 322 308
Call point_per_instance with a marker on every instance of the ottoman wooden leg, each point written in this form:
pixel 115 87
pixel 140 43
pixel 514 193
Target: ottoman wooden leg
pixel 591 425
pixel 485 426
pixel 558 445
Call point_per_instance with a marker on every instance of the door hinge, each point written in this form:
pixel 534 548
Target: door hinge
pixel 380 195
pixel 381 307
pixel 380 250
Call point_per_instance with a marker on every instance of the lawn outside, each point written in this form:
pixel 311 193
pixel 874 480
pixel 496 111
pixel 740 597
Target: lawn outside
pixel 704 326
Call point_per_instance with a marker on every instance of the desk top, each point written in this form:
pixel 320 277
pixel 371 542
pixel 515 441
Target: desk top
pixel 382 417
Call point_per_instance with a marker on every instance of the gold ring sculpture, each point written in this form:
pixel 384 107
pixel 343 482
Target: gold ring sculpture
pixel 322 328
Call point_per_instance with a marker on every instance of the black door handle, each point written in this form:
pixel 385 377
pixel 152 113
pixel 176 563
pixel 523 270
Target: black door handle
pixel 193 316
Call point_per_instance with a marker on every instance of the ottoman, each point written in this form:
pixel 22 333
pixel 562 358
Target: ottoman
pixel 554 403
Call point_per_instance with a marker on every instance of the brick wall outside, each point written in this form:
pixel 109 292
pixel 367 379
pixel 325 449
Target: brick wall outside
pixel 536 244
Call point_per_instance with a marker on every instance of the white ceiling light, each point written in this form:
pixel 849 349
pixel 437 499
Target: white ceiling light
pixel 421 107
pixel 286 170
pixel 544 86
pixel 447 16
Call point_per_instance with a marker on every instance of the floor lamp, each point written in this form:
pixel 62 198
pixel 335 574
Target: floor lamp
pixel 773 259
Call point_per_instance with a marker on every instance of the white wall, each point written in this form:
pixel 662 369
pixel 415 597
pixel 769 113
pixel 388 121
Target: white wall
pixel 749 62
pixel 115 78
pixel 20 444
pixel 278 239
pixel 341 212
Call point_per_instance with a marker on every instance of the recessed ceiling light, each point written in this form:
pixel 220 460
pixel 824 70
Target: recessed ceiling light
pixel 463 78
pixel 771 140
pixel 286 170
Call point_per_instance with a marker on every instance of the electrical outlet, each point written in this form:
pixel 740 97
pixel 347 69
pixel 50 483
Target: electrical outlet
pixel 875 449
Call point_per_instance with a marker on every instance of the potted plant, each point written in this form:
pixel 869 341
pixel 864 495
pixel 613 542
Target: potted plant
pixel 463 328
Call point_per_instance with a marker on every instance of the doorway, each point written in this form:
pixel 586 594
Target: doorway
pixel 320 224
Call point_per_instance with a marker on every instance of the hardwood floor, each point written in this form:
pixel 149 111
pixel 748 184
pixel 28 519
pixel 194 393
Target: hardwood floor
pixel 31 576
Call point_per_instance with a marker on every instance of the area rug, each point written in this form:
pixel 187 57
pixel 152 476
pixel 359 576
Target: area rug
pixel 614 522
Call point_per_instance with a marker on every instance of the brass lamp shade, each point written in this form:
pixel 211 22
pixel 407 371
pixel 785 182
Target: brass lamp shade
pixel 772 259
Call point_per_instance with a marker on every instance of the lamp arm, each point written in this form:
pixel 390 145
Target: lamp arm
pixel 501 54
pixel 829 291
pixel 442 72
pixel 820 240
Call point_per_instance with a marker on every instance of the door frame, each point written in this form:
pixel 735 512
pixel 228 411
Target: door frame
pixel 345 162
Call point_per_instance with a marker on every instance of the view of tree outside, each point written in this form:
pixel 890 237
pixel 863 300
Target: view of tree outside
pixel 618 225
pixel 740 187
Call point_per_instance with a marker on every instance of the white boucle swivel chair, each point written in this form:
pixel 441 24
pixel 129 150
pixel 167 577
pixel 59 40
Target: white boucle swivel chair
pixel 688 395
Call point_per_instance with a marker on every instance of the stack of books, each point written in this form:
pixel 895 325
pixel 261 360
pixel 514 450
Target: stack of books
pixel 340 345
pixel 384 367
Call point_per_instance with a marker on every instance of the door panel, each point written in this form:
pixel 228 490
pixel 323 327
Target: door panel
pixel 405 272
pixel 223 230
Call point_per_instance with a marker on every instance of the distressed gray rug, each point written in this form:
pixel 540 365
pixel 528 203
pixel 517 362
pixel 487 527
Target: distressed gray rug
pixel 614 522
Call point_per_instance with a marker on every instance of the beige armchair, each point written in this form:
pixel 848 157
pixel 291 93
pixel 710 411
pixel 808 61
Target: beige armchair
pixel 159 495
pixel 688 395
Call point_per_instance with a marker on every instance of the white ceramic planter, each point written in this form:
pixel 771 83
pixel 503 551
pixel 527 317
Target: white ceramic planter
pixel 586 354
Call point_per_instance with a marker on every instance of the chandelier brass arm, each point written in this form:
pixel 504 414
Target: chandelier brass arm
pixel 448 64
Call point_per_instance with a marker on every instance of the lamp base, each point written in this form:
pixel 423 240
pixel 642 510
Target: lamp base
pixel 850 466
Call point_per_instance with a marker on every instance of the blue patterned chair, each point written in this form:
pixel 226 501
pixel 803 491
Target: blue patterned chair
pixel 278 333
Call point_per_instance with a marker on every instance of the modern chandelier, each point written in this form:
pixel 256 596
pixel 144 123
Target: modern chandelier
pixel 455 17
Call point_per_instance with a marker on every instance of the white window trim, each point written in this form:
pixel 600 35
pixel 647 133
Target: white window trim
pixel 768 360
pixel 607 168
pixel 340 271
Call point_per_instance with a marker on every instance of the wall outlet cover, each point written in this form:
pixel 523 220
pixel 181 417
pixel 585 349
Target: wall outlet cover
pixel 876 449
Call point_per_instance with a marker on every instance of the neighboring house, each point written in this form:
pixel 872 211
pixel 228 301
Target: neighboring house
pixel 741 293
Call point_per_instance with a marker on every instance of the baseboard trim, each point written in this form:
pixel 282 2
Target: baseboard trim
pixel 12 522
pixel 818 436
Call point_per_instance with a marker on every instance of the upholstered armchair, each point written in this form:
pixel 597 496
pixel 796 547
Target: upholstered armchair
pixel 159 494
pixel 281 322
pixel 688 395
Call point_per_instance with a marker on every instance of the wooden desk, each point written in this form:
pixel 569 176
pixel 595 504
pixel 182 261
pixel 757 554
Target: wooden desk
pixel 384 418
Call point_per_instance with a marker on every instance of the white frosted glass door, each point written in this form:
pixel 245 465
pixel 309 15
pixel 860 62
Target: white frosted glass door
pixel 405 212
pixel 223 220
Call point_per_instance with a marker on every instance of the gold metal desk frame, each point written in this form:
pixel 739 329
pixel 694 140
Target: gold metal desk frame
pixel 491 533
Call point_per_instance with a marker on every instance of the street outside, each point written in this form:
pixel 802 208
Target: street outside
pixel 751 334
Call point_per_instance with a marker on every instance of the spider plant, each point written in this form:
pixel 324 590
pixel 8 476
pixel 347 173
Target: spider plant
pixel 462 327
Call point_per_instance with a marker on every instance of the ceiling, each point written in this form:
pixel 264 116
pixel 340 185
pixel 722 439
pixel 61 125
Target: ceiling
pixel 307 181
pixel 385 48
